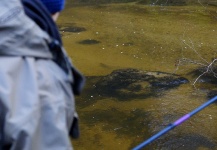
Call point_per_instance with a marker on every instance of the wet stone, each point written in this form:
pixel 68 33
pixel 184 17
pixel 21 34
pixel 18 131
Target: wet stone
pixel 89 42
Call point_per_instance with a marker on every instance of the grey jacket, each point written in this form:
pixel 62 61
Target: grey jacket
pixel 19 34
pixel 36 98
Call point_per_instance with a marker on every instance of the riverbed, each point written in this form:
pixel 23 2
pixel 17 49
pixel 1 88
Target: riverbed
pixel 174 40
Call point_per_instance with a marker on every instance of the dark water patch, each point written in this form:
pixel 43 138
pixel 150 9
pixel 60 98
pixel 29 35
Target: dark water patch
pixel 72 29
pixel 89 42
pixel 208 77
pixel 208 81
pixel 212 3
pixel 191 141
pixel 129 84
pixel 212 94
pixel 169 82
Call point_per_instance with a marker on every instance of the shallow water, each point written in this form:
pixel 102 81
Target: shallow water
pixel 166 39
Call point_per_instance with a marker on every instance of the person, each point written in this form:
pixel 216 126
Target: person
pixel 37 79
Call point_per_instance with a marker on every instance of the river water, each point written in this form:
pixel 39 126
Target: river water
pixel 177 40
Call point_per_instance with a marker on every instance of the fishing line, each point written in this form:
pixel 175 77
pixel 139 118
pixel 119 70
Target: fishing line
pixel 175 124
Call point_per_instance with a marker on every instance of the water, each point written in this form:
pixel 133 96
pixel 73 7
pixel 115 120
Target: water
pixel 119 114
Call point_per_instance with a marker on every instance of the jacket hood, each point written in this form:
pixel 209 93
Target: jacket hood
pixel 21 36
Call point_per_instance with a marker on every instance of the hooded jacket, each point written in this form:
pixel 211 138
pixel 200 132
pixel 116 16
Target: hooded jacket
pixel 37 83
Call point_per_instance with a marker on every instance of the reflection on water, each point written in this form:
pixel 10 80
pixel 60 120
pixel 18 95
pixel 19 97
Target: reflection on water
pixel 164 46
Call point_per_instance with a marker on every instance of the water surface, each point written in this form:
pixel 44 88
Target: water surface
pixel 102 38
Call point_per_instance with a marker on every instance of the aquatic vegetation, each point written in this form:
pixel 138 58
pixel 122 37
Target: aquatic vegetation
pixel 129 84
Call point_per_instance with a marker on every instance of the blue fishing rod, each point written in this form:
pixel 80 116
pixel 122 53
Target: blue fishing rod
pixel 175 124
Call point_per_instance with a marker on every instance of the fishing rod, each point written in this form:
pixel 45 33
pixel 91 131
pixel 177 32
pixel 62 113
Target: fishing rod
pixel 175 124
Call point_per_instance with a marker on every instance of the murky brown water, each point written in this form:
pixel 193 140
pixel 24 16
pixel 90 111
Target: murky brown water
pixel 104 38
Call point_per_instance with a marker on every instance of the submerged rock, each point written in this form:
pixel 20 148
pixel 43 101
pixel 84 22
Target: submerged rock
pixel 128 84
pixel 72 29
pixel 89 42
pixel 208 77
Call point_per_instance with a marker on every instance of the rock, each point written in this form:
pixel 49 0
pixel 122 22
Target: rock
pixel 128 84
